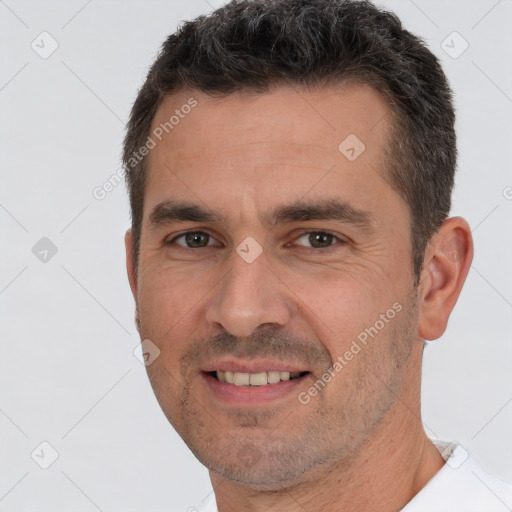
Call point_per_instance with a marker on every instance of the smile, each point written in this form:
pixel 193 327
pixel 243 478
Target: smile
pixel 255 379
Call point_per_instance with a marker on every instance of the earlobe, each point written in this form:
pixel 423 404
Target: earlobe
pixel 447 261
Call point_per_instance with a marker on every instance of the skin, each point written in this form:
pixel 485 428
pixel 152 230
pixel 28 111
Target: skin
pixel 359 444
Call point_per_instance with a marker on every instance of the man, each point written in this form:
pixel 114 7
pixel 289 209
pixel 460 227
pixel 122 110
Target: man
pixel 290 166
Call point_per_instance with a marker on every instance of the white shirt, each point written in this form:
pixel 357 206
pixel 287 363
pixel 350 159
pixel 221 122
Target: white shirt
pixel 461 485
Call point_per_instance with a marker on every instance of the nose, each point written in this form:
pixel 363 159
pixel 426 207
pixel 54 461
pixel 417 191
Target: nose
pixel 248 297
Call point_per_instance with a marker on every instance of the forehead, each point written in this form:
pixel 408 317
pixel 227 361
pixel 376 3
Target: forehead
pixel 326 113
pixel 275 144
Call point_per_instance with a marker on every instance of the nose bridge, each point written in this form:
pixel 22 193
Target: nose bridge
pixel 249 294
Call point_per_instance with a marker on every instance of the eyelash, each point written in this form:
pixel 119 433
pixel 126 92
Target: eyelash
pixel 185 247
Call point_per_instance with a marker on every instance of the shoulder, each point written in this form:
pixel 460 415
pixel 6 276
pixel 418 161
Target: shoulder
pixel 462 484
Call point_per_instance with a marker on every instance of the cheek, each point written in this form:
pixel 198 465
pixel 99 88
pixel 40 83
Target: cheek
pixel 169 305
pixel 168 293
pixel 169 308
pixel 340 304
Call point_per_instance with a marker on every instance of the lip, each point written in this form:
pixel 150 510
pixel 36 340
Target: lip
pixel 251 396
pixel 256 366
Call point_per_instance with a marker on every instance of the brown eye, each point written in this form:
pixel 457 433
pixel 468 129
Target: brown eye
pixel 318 239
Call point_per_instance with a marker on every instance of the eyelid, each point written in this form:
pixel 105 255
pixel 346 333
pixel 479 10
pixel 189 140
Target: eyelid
pixel 185 233
pixel 340 239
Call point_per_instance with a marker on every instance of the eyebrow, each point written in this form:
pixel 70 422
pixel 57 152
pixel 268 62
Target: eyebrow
pixel 170 211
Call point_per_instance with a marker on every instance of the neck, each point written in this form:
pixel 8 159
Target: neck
pixel 394 464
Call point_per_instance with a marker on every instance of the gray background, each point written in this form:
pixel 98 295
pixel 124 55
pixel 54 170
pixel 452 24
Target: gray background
pixel 68 375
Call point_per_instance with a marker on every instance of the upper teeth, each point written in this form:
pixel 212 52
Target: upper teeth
pixel 255 379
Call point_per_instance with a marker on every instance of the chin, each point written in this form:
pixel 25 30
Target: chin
pixel 265 477
pixel 259 466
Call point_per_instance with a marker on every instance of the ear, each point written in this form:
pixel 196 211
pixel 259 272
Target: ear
pixel 446 265
pixel 132 273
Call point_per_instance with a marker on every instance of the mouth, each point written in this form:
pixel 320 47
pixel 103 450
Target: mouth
pixel 264 378
pixel 252 384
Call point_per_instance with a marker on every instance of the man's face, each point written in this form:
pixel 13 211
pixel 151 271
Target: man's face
pixel 249 291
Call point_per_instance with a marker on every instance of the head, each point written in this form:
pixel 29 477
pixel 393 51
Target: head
pixel 261 121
